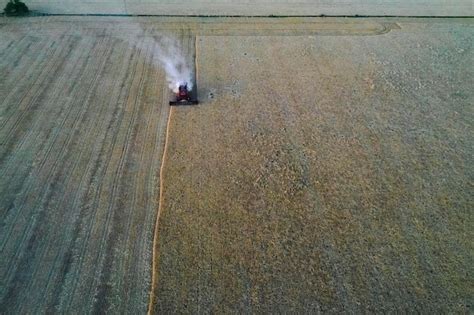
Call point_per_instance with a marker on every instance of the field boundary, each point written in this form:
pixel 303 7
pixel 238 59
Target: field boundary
pixel 277 16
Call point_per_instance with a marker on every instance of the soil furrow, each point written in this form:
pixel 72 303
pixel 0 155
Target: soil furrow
pixel 27 102
pixel 46 195
pixel 78 122
pixel 86 177
pixel 140 189
pixel 49 150
pixel 108 234
pixel 26 195
pixel 97 193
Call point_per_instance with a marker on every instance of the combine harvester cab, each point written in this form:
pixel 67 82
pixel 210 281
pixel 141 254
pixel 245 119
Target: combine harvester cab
pixel 184 97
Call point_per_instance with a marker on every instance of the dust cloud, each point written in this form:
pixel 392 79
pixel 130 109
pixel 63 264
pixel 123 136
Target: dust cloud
pixel 167 54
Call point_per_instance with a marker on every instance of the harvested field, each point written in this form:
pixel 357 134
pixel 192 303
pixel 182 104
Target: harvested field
pixel 82 119
pixel 323 174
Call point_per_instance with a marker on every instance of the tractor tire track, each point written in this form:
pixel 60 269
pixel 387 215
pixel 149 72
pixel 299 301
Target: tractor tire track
pixel 137 191
pixel 44 160
pixel 95 201
pixel 30 98
pixel 28 163
pixel 53 171
pixel 108 230
pixel 21 206
pixel 17 63
pixel 77 122
pixel 85 179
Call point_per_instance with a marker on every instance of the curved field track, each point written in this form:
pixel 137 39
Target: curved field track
pixel 82 118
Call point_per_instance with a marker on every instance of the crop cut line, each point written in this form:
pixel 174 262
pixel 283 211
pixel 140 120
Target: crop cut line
pixel 154 272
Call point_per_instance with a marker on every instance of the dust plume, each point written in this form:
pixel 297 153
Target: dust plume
pixel 167 54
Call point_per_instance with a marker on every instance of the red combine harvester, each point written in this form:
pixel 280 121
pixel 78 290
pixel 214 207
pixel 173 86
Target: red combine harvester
pixel 183 96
